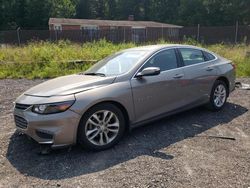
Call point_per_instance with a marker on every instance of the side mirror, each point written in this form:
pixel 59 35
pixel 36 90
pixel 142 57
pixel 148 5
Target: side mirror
pixel 150 71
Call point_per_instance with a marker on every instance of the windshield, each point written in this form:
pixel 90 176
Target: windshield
pixel 116 64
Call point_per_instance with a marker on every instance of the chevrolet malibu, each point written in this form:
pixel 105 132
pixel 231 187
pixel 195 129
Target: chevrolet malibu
pixel 122 91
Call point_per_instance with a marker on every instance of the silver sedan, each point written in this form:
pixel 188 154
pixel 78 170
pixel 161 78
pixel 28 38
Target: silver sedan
pixel 122 91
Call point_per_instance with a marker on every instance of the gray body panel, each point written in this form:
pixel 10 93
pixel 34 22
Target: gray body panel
pixel 157 94
pixel 143 99
pixel 67 85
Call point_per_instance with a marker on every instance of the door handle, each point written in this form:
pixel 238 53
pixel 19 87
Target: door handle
pixel 178 76
pixel 209 69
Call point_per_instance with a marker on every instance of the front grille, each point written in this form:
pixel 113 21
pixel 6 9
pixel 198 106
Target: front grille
pixel 22 106
pixel 20 122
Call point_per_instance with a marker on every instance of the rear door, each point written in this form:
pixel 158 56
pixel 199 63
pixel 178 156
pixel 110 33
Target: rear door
pixel 200 73
pixel 156 95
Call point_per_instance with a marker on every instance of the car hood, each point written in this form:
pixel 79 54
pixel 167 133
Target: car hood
pixel 67 85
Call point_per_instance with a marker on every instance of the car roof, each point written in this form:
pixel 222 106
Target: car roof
pixel 152 48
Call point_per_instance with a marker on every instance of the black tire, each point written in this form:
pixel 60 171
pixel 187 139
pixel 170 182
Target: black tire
pixel 81 135
pixel 211 105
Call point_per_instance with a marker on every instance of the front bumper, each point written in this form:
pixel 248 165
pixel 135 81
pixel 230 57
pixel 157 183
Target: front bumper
pixel 58 130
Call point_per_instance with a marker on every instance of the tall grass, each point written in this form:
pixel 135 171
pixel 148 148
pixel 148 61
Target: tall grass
pixel 48 60
pixel 239 54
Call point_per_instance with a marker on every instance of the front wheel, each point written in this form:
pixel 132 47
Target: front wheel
pixel 218 96
pixel 101 127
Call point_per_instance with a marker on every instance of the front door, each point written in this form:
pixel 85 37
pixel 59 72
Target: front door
pixel 156 95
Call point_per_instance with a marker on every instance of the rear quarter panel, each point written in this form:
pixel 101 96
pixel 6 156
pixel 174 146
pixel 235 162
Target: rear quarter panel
pixel 226 69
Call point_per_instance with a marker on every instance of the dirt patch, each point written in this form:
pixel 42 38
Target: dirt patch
pixel 189 149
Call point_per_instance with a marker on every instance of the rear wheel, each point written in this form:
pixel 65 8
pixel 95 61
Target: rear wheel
pixel 218 96
pixel 101 127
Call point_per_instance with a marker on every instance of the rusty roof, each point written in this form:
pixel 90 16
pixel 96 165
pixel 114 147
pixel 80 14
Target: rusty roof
pixel 121 23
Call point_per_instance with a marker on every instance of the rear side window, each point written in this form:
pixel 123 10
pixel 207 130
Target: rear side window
pixel 165 60
pixel 191 56
pixel 208 56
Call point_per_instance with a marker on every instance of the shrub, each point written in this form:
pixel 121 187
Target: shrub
pixel 48 60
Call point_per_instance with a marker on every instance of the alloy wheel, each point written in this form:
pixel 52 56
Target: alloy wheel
pixel 102 127
pixel 220 93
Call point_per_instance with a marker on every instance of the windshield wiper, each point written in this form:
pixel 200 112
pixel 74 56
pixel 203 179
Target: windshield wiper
pixel 94 74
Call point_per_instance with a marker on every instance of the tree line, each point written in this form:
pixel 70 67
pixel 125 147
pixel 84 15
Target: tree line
pixel 34 14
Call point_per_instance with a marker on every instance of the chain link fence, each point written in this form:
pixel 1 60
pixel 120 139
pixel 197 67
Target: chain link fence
pixel 212 35
pixel 206 35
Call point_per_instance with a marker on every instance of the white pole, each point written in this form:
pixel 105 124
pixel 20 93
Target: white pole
pixel 124 34
pixel 162 31
pixel 18 35
pixel 198 33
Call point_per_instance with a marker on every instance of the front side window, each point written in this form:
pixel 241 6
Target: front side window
pixel 165 60
pixel 191 56
pixel 117 64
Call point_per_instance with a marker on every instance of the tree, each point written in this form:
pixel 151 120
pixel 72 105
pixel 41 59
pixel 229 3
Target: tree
pixel 8 15
pixel 83 9
pixel 111 9
pixel 2 17
pixel 191 12
pixel 98 9
pixel 36 13
pixel 63 8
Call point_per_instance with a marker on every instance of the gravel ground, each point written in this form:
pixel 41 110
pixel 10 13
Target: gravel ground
pixel 180 151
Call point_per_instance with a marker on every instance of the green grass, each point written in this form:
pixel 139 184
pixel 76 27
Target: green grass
pixel 48 60
pixel 239 54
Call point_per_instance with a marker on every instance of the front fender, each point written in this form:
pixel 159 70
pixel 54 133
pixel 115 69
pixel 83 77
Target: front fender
pixel 117 92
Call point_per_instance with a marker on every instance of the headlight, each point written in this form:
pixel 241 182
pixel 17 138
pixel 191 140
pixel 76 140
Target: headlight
pixel 52 108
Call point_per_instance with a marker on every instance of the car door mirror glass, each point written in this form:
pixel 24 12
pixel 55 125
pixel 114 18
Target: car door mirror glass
pixel 149 71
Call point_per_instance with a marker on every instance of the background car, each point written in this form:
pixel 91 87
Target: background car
pixel 125 90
